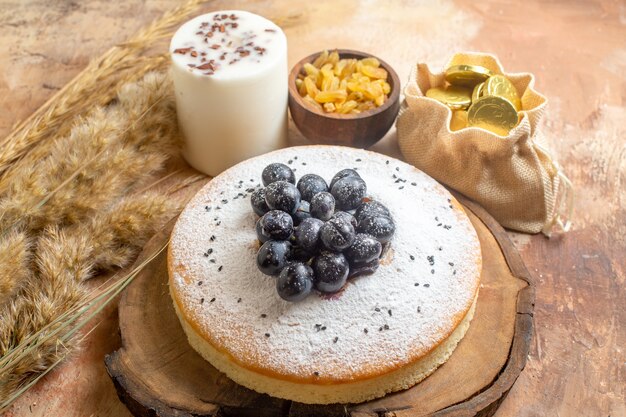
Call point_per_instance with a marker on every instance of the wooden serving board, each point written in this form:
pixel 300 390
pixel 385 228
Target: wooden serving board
pixel 157 373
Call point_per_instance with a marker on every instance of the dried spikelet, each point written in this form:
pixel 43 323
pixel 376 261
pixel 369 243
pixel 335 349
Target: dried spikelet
pixel 55 289
pixel 14 264
pixel 21 206
pixel 64 258
pixel 65 176
pixel 154 92
pixel 93 86
pixel 114 149
pixel 120 232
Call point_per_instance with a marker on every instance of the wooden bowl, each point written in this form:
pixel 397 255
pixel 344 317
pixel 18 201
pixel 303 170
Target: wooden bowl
pixel 357 130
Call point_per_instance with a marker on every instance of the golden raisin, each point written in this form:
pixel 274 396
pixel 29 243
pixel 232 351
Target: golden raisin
pixel 345 86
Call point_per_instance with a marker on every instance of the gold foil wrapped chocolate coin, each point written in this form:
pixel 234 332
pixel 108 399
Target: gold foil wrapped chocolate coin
pixel 467 75
pixel 499 85
pixel 454 97
pixel 459 120
pixel 477 92
pixel 493 113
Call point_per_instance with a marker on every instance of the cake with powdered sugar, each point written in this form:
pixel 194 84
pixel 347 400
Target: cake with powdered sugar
pixel 382 331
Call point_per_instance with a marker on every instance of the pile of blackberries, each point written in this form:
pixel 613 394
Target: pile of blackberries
pixel 316 235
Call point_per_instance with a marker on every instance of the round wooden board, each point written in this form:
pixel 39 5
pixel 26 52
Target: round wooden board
pixel 157 373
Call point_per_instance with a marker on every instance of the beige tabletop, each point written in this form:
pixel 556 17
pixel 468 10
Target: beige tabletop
pixel 577 50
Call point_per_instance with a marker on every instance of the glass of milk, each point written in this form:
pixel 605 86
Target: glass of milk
pixel 230 78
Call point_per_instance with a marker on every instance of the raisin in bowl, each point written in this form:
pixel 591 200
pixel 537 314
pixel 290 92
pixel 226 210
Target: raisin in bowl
pixel 359 130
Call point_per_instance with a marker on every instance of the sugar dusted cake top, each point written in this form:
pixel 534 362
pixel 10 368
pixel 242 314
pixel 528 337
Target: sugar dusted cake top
pixel 423 288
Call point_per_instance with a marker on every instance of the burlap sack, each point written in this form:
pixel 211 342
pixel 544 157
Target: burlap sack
pixel 514 178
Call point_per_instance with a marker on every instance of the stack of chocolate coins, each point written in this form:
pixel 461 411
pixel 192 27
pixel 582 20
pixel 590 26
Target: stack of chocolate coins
pixel 479 98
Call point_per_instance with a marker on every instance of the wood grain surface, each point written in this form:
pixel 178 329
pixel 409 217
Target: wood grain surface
pixel 577 364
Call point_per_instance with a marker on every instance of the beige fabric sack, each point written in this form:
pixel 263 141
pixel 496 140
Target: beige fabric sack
pixel 514 178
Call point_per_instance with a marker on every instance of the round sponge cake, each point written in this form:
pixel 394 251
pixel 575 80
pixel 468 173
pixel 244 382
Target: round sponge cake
pixel 381 333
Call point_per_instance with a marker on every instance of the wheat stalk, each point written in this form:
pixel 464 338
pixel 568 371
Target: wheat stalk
pixel 93 86
pixel 113 149
pixel 71 324
pixel 77 231
pixel 15 259
pixel 56 232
